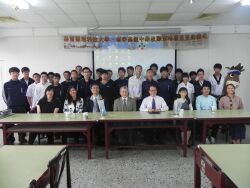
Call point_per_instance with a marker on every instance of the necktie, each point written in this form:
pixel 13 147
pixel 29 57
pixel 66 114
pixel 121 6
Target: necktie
pixel 124 105
pixel 153 104
pixel 95 107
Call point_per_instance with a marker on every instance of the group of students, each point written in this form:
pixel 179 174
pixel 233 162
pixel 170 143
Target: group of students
pixel 171 90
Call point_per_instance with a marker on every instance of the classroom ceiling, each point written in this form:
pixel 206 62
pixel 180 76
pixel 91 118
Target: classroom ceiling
pixel 124 13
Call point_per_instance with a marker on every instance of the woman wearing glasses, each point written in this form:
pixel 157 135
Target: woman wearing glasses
pixel 232 102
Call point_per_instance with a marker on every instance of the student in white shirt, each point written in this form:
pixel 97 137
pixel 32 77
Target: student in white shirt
pixel 183 102
pixel 153 103
pixel 31 89
pixel 135 85
pixel 217 81
pixel 40 89
pixel 185 83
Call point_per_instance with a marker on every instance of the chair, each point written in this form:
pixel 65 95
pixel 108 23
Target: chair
pixel 54 172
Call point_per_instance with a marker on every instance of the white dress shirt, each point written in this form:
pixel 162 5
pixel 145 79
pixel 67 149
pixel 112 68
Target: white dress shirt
pixel 39 92
pixel 31 90
pixel 135 86
pixel 216 88
pixel 189 87
pixel 160 104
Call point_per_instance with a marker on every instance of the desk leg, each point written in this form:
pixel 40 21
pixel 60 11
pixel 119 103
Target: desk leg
pixel 68 169
pixel 89 143
pixel 5 138
pixel 197 173
pixel 204 131
pixel 185 139
pixel 106 140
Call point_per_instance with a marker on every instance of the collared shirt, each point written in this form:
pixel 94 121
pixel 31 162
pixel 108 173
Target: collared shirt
pixel 125 99
pixel 189 87
pixel 217 85
pixel 39 92
pixel 135 86
pixel 160 104
pixel 31 90
pixel 198 86
pixel 156 77
pixel 205 102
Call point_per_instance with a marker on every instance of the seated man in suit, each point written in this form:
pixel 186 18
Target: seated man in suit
pixel 154 103
pixel 123 104
pixel 91 105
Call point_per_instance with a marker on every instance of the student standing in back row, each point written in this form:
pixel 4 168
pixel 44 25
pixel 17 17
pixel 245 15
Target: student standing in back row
pixel 26 76
pixel 148 82
pixel 135 86
pixel 121 81
pixel 166 87
pixel 84 84
pixel 31 89
pixel 14 95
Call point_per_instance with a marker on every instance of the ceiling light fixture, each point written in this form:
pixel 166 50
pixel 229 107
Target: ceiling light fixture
pixel 191 2
pixel 245 2
pixel 16 4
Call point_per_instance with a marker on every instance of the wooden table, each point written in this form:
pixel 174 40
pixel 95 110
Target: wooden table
pixel 52 122
pixel 31 166
pixel 128 117
pixel 225 166
pixel 221 117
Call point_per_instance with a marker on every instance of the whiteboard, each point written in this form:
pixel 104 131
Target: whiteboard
pixel 113 58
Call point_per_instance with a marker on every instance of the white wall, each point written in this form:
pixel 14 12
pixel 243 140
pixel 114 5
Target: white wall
pixel 47 54
pixel 227 49
pixel 39 54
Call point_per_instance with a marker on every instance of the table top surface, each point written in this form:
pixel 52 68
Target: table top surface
pixel 222 114
pixel 19 165
pixel 233 160
pixel 122 116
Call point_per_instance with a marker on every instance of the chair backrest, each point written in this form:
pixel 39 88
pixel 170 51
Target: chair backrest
pixel 56 167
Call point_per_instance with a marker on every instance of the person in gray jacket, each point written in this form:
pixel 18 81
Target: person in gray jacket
pixel 123 104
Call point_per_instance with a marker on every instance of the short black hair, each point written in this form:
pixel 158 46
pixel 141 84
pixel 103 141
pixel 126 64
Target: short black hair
pixel 99 70
pixel 79 66
pixel 121 69
pixel 57 75
pixel 44 73
pixel 154 65
pixel 25 69
pixel 66 72
pixel 163 69
pixel 149 70
pixel 138 66
pixel 14 69
pixel 51 73
pixel 94 84
pixel 130 67
pixel 185 75
pixel 200 70
pixel 109 70
pixel 205 85
pixel 73 71
pixel 217 66
pixel 179 70
pixel 36 74
pixel 169 65
pixel 192 73
pixel 104 72
pixel 86 68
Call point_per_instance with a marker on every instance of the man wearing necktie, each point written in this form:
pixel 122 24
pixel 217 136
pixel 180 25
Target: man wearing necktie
pixel 124 104
pixel 153 103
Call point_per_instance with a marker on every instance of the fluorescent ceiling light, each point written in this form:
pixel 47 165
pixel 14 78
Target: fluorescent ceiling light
pixel 16 4
pixel 245 2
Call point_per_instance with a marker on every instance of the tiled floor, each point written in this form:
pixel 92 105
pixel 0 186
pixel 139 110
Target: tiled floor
pixel 133 169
